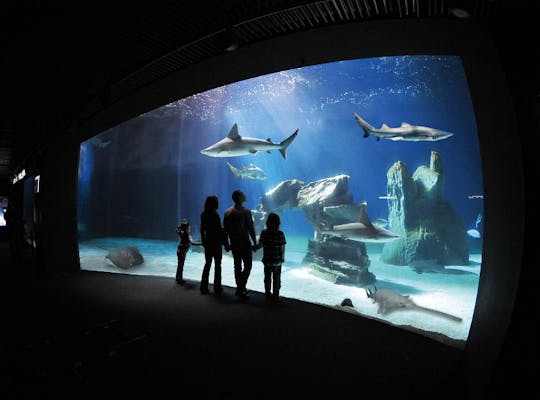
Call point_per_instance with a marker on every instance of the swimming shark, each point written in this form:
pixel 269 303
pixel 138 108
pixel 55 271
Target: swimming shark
pixel 389 301
pixel 361 231
pixel 251 172
pixel 407 132
pixel 235 145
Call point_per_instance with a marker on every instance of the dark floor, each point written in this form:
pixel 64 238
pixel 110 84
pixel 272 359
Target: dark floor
pixel 98 333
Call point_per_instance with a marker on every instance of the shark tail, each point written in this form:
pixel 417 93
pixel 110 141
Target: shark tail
pixel 367 128
pixel 439 313
pixel 233 170
pixel 283 145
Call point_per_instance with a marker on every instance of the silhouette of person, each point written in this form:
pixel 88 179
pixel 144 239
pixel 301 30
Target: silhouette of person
pixel 213 239
pixel 273 241
pixel 238 226
pixel 184 232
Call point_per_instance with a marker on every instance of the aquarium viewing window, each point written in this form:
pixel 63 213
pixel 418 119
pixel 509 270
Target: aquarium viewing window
pixel 3 209
pixel 372 164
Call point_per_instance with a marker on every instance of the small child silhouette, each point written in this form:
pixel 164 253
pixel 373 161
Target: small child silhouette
pixel 273 241
pixel 184 232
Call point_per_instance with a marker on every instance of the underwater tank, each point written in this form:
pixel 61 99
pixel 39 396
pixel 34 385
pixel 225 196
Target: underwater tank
pixel 372 164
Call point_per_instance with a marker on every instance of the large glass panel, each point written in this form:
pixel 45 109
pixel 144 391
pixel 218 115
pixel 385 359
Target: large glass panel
pixel 372 164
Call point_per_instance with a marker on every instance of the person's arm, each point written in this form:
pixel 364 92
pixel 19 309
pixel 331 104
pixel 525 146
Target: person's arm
pixel 251 228
pixel 257 246
pixel 191 241
pixel 284 241
pixel 226 241
pixel 202 229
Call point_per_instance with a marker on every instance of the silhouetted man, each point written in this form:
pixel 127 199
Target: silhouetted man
pixel 238 225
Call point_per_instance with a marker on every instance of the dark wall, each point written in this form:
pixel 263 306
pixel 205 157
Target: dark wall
pixel 57 207
pixel 503 180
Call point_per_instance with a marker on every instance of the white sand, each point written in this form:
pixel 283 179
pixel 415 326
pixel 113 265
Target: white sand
pixel 453 293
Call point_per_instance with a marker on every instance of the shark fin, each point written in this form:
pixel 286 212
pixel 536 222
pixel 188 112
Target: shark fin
pixel 269 140
pixel 363 217
pixel 233 134
pixel 405 125
pixel 268 151
pixel 253 151
pixel 378 138
pixel 366 134
pixel 384 126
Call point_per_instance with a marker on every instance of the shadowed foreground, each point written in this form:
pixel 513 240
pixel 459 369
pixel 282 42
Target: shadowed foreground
pixel 98 333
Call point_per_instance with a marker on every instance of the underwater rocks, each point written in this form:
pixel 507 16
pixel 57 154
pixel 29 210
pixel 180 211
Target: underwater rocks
pixel 328 201
pixel 310 198
pixel 283 195
pixel 324 192
pixel 125 257
pixel 306 197
pixel 429 228
pixel 340 261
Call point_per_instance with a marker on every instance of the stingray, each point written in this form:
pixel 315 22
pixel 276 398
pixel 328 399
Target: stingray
pixel 389 301
pixel 125 257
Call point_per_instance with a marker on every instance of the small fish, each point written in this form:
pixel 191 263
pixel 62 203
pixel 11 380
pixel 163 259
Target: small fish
pixel 473 233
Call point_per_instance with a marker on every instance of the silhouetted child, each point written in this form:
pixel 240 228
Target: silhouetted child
pixel 273 241
pixel 184 232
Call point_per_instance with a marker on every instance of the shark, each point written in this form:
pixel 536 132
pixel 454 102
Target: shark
pixel 362 230
pixel 251 172
pixel 235 145
pixel 406 132
pixel 388 301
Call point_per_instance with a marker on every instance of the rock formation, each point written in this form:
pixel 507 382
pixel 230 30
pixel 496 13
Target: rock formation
pixel 327 201
pixel 428 226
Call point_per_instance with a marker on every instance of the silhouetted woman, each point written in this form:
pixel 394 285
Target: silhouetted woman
pixel 213 239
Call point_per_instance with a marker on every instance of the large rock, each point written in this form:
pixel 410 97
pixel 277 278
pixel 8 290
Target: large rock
pixel 429 227
pixel 283 195
pixel 323 193
pixel 327 201
pixel 340 261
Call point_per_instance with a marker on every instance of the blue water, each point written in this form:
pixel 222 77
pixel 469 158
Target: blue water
pixel 138 179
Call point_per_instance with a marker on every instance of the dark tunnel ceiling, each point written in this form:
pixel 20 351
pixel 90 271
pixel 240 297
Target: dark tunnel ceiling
pixel 62 64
